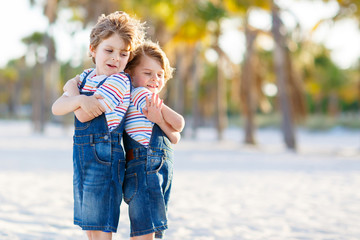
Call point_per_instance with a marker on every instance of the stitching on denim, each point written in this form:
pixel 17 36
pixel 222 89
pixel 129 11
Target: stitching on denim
pixel 159 168
pixel 92 226
pixel 155 229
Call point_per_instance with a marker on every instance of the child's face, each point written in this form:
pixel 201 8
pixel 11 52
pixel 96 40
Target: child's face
pixel 111 55
pixel 149 74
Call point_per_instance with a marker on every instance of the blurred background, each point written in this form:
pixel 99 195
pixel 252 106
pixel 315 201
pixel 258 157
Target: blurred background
pixel 242 63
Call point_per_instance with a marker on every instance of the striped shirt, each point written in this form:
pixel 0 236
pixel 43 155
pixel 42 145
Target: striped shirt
pixel 137 125
pixel 116 93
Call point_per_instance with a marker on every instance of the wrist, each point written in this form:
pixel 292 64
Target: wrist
pixel 80 99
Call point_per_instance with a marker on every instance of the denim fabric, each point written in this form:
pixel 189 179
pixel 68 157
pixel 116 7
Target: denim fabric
pixel 99 169
pixel 147 183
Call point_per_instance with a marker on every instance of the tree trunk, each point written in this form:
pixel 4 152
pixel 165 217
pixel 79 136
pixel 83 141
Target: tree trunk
pixel 178 83
pixel 247 89
pixel 194 77
pixel 38 95
pixel 281 74
pixel 221 116
pixel 333 104
pixel 12 99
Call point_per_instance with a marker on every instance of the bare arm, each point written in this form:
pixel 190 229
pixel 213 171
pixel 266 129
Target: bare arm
pixel 154 114
pixel 85 108
pixel 173 118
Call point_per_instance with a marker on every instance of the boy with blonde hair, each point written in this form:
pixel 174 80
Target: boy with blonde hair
pixel 100 109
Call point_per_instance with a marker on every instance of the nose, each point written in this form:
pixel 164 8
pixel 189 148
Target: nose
pixel 116 58
pixel 155 77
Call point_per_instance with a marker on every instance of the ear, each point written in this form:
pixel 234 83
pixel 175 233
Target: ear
pixel 92 51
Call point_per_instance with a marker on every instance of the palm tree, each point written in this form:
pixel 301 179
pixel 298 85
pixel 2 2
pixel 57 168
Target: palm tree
pixel 35 42
pixel 280 58
pixel 9 78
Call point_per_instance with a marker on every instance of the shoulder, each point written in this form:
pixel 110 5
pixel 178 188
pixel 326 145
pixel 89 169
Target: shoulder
pixel 85 73
pixel 122 77
pixel 140 92
pixel 138 95
pixel 117 82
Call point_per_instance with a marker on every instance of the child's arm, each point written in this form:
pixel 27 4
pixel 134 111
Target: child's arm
pixel 85 108
pixel 176 121
pixel 154 114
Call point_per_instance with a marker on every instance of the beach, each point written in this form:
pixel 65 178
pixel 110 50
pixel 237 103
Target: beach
pixel 221 190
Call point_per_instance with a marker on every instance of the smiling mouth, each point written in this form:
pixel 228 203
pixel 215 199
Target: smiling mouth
pixel 111 66
pixel 152 86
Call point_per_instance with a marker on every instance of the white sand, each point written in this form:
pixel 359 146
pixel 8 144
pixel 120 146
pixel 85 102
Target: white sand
pixel 221 190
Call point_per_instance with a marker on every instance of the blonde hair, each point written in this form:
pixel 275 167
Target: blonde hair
pixel 131 30
pixel 153 50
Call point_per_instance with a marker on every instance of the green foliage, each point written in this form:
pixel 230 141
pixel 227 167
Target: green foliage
pixel 328 74
pixel 210 12
pixel 35 38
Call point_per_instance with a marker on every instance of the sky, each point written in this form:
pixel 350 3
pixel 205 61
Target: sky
pixel 343 38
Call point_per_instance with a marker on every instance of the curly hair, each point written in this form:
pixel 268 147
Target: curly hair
pixel 131 30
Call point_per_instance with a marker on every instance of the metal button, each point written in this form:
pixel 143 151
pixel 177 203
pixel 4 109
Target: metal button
pixel 106 137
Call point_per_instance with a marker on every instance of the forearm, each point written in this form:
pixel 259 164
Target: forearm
pixel 173 135
pixel 82 116
pixel 71 87
pixel 175 120
pixel 64 105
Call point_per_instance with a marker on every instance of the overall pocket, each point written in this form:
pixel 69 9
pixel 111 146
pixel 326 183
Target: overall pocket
pixel 155 163
pixel 102 152
pixel 96 164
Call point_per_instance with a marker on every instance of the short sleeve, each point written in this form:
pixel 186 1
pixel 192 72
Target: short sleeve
pixel 114 90
pixel 138 97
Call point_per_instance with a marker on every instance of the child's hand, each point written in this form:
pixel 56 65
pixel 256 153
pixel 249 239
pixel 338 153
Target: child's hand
pixel 91 105
pixel 71 86
pixel 152 111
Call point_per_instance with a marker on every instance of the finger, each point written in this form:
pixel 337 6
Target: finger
pixel 157 100
pixel 145 112
pixel 98 112
pixel 153 98
pixel 102 109
pixel 98 96
pixel 161 103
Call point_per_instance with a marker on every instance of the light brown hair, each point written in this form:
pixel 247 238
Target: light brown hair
pixel 131 30
pixel 152 50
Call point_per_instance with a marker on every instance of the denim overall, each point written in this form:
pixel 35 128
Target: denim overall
pixel 99 168
pixel 147 183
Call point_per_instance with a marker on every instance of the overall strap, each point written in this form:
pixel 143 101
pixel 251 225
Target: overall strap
pixel 84 80
pixel 131 86
pixel 101 83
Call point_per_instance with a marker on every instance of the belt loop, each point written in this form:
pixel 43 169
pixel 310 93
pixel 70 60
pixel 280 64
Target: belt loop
pixel 92 140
